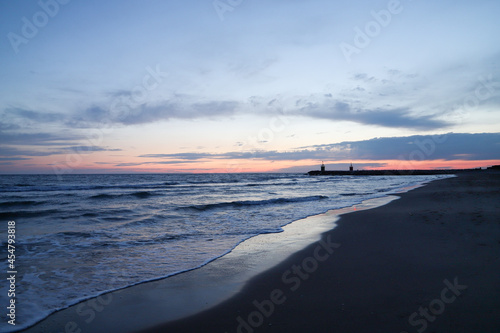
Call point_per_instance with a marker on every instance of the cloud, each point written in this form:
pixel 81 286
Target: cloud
pixel 388 117
pixel 122 110
pixel 364 77
pixel 83 149
pixel 9 151
pixel 33 116
pixel 20 119
pixel 240 155
pixel 8 127
pixel 451 146
pixel 12 151
pixel 125 111
pixel 153 162
pixel 392 99
pixel 38 139
pixel 182 156
pixel 14 158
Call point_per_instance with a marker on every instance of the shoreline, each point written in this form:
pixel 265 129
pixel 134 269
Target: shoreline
pixel 427 262
pixel 107 312
pixel 247 259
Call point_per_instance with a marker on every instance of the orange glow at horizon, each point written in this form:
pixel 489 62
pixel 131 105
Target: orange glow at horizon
pixel 239 166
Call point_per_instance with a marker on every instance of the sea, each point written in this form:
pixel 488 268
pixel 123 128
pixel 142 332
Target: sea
pixel 80 236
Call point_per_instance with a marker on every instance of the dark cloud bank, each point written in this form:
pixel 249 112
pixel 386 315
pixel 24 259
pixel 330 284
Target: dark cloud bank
pixel 120 113
pixel 451 146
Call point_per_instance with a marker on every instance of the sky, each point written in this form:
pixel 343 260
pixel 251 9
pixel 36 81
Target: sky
pixel 248 85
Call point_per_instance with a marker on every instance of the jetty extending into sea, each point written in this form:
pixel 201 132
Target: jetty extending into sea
pixel 388 172
pixel 352 172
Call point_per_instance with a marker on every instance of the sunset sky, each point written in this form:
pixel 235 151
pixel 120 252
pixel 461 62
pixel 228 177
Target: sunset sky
pixel 248 85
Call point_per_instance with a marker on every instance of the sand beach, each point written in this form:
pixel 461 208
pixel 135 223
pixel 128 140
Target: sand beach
pixel 426 262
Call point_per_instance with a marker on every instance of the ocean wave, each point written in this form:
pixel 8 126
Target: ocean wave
pixel 269 231
pixel 255 202
pixel 36 213
pixel 139 194
pixel 121 244
pixel 141 222
pixel 20 203
pixel 90 215
pixel 170 237
pixel 251 232
pixel 156 185
pixel 58 188
pixel 288 183
pixel 105 196
pixel 142 194
pixel 75 234
pixel 232 181
pixel 353 194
